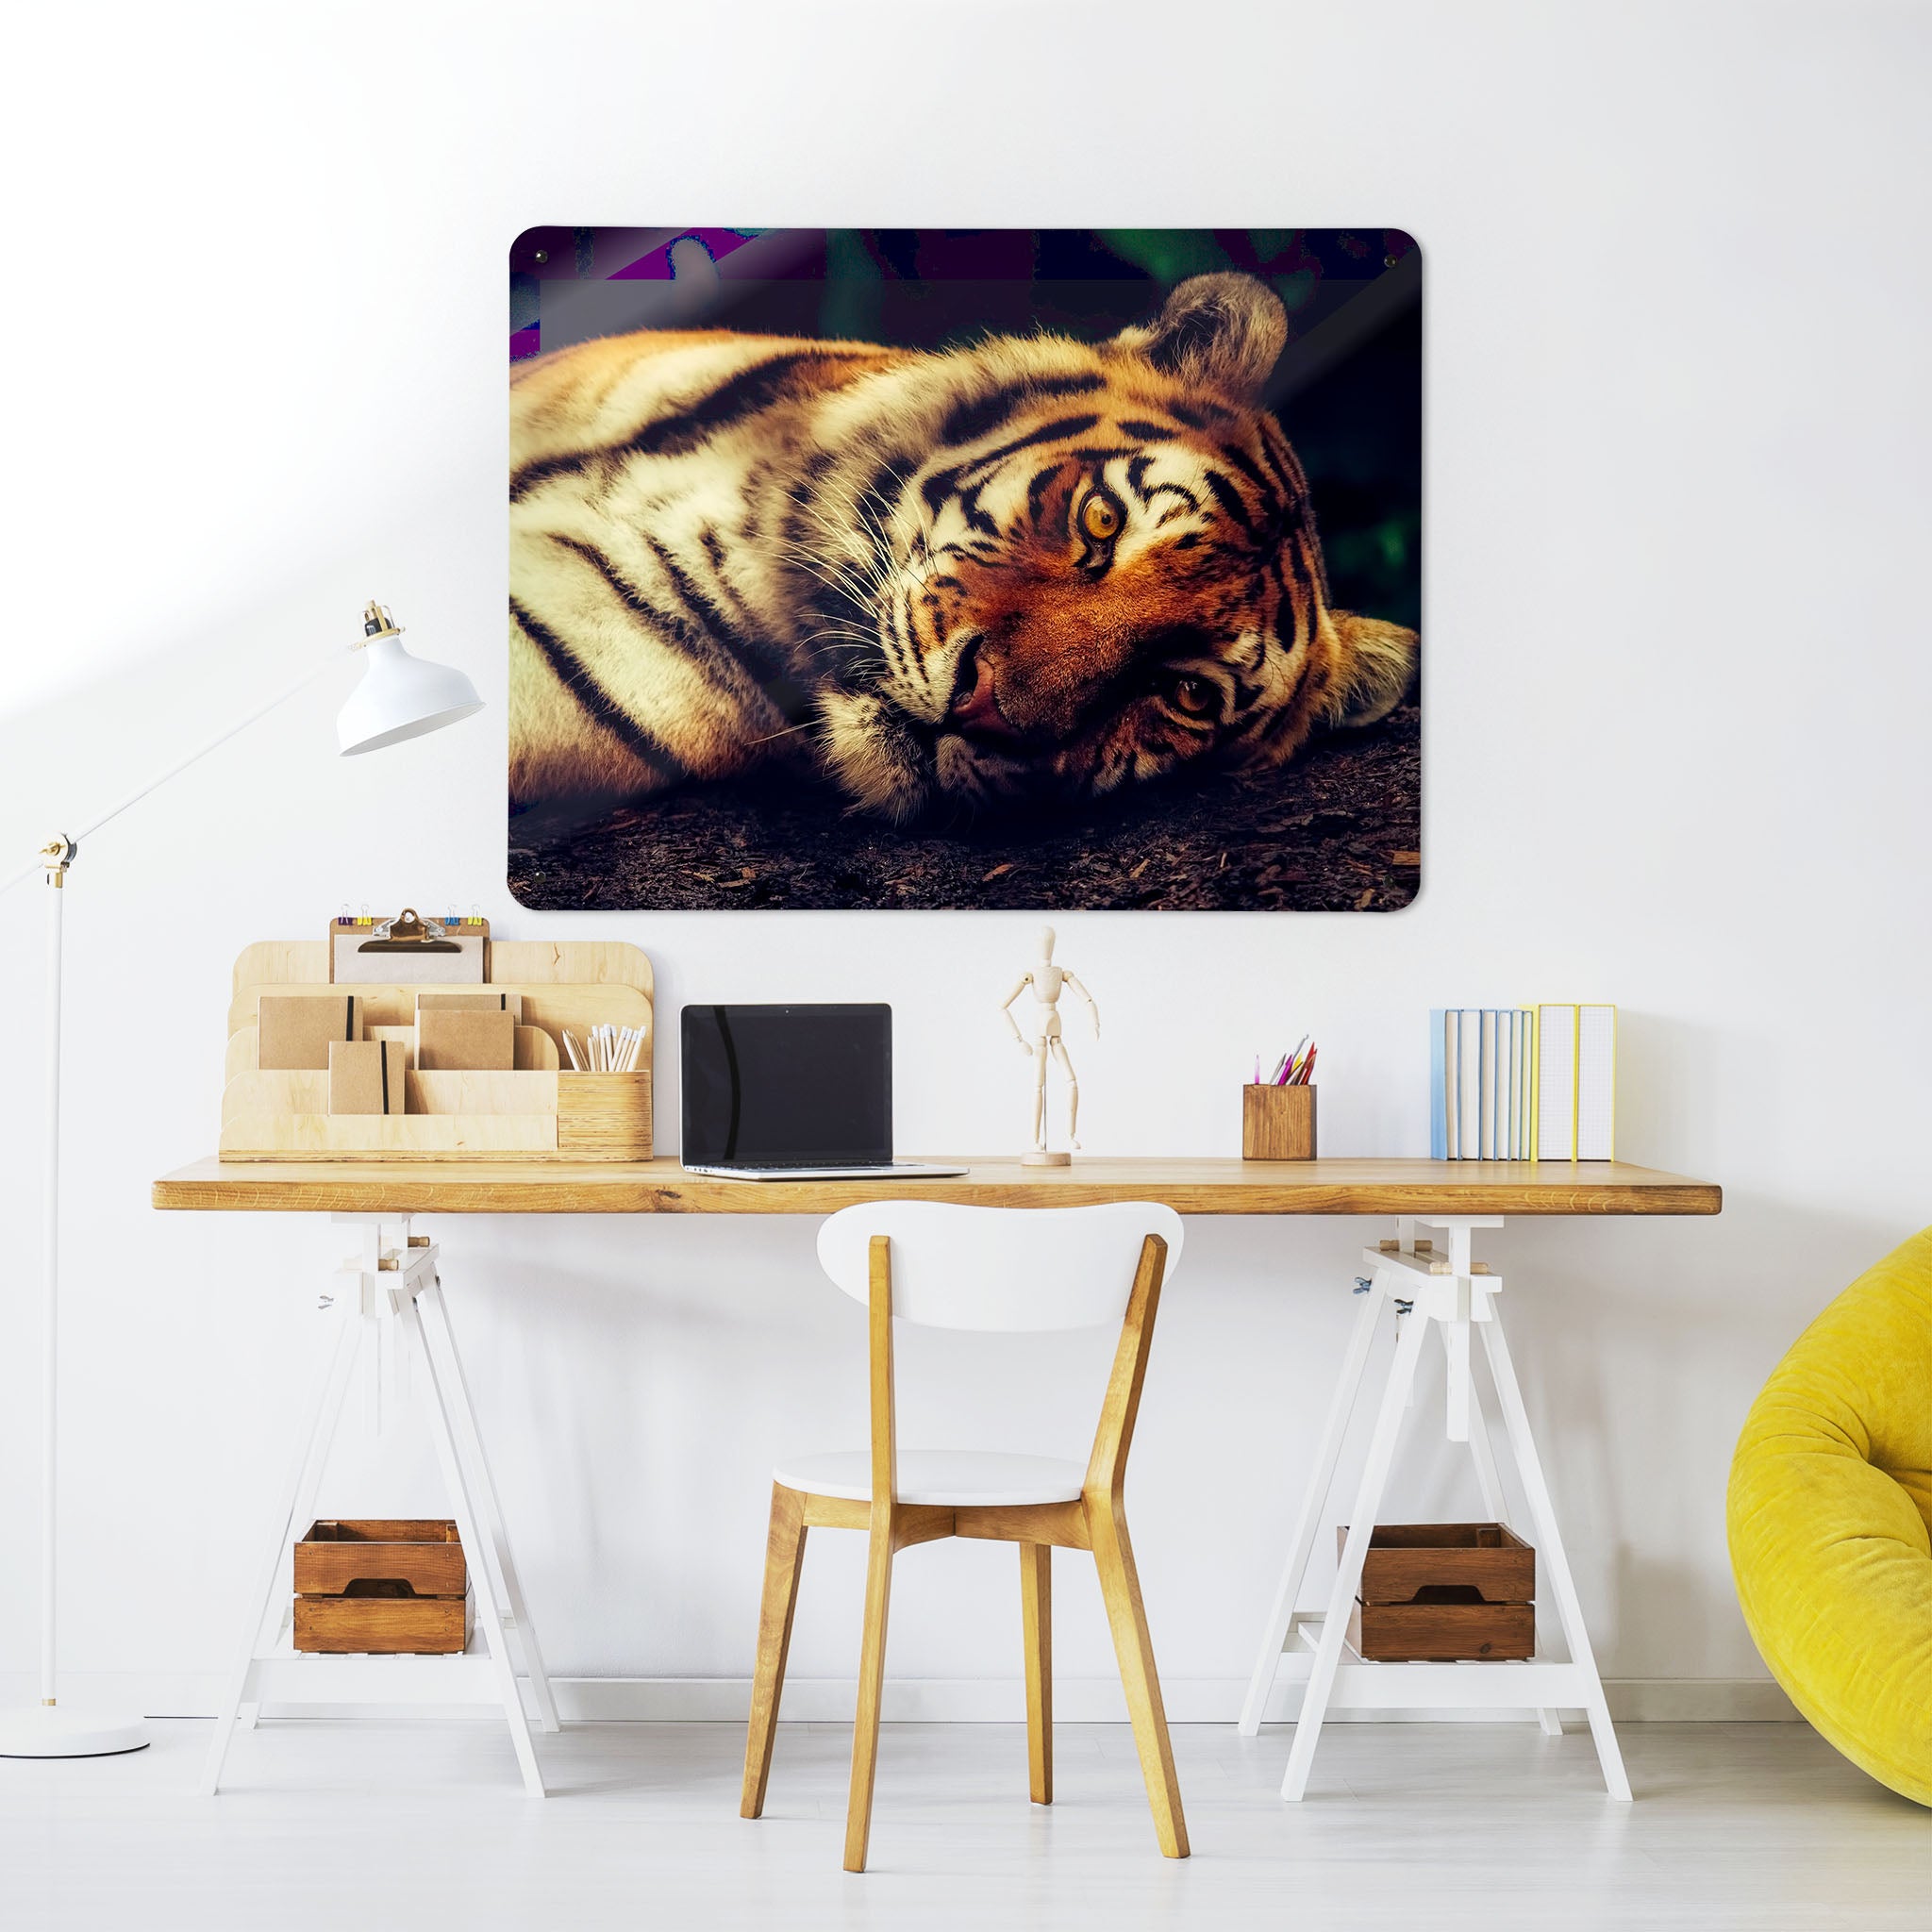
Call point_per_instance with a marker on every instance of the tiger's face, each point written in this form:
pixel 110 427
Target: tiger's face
pixel 1113 574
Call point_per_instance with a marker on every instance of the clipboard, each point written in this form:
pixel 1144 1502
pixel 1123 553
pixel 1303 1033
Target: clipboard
pixel 382 952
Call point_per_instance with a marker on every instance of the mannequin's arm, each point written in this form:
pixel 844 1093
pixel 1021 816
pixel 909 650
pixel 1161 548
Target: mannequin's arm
pixel 1093 1006
pixel 1007 1009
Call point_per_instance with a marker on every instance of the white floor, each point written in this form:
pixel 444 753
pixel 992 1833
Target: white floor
pixel 346 1826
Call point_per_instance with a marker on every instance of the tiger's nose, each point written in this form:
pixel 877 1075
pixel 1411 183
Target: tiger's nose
pixel 975 710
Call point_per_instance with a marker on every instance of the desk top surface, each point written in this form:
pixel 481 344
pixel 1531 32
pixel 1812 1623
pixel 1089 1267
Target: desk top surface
pixel 1191 1186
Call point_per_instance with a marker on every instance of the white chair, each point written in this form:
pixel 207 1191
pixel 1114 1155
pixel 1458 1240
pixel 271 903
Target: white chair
pixel 1012 1271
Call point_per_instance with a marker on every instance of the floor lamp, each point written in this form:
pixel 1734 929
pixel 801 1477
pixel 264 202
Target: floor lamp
pixel 400 696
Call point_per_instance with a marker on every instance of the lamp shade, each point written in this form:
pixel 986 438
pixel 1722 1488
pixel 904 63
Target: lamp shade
pixel 400 696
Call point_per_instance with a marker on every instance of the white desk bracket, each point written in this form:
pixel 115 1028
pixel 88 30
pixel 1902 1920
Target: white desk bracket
pixel 389 1302
pixel 1425 1285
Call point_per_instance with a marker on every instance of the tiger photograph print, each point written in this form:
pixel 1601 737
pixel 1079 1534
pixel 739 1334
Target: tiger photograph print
pixel 879 568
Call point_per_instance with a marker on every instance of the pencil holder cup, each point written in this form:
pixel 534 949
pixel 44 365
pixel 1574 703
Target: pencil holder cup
pixel 1277 1123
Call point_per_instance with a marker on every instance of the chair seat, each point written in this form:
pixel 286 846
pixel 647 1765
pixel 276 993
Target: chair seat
pixel 950 1478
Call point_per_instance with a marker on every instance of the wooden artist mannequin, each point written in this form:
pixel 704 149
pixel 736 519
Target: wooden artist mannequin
pixel 1046 979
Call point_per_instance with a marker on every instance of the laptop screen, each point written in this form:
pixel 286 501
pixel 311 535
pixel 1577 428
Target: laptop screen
pixel 787 1085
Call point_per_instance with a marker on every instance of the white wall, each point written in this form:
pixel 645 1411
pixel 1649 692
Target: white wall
pixel 1677 691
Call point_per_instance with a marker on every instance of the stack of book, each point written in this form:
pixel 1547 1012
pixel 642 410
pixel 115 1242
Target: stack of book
pixel 1522 1083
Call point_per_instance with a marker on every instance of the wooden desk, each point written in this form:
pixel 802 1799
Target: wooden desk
pixel 1423 1287
pixel 1189 1186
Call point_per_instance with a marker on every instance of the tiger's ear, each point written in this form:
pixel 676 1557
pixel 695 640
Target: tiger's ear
pixel 1373 668
pixel 1224 332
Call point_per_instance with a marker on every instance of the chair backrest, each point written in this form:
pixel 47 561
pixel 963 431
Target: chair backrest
pixel 1009 1270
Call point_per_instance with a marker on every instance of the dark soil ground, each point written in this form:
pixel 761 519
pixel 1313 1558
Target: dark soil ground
pixel 1340 829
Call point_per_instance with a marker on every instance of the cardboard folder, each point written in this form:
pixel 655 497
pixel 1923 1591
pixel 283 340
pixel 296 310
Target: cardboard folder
pixel 450 1039
pixel 294 1029
pixel 484 999
pixel 366 1077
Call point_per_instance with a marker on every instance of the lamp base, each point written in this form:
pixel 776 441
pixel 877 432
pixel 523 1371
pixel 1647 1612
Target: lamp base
pixel 50 1730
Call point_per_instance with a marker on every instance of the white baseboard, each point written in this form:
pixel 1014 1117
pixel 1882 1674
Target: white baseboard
pixel 940 1700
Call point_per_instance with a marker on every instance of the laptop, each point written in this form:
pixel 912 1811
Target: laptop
pixel 791 1094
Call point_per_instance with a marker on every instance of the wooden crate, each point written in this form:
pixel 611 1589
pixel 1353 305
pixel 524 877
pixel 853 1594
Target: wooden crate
pixel 1444 1592
pixel 384 1585
pixel 1406 1557
pixel 1442 1633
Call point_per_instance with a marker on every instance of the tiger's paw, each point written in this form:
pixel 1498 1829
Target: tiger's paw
pixel 1376 666
pixel 873 754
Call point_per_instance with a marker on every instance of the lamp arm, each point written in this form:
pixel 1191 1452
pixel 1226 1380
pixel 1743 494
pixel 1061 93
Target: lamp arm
pixel 174 771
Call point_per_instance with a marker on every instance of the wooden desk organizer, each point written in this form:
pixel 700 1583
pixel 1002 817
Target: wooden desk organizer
pixel 539 1111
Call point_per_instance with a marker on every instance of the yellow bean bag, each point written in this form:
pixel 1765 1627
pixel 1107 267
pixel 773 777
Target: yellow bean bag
pixel 1831 1494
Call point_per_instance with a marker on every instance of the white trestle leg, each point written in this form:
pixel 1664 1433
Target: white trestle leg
pixel 1542 1514
pixel 490 1605
pixel 275 1586
pixel 1428 1287
pixel 440 1340
pixel 390 1305
pixel 1489 1482
pixel 1348 1572
pixel 1309 1525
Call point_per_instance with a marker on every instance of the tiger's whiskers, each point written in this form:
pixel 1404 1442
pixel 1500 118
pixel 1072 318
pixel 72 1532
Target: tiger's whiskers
pixel 809 724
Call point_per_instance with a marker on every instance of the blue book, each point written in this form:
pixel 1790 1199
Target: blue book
pixel 1439 1085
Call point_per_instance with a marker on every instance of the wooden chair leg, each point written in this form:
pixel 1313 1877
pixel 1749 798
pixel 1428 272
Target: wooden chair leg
pixel 784 1554
pixel 1036 1617
pixel 872 1680
pixel 1120 1587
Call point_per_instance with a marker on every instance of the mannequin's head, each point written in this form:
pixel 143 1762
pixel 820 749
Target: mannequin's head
pixel 1046 943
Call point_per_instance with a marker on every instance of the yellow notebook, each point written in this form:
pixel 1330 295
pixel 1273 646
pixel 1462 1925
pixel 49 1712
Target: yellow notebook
pixel 1576 1082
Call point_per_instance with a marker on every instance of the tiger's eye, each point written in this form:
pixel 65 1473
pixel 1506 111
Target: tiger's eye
pixel 1194 696
pixel 1099 517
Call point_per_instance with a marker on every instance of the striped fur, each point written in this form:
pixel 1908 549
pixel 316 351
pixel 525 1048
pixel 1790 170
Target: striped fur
pixel 1029 568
